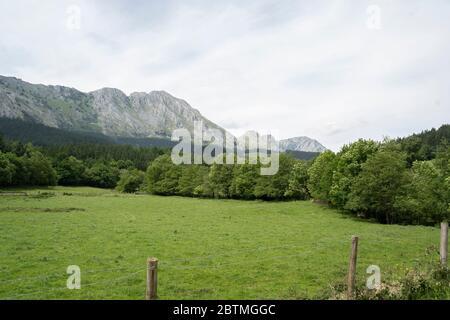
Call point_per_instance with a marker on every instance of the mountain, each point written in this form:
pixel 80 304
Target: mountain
pixel 104 116
pixel 107 111
pixel 41 135
pixel 304 144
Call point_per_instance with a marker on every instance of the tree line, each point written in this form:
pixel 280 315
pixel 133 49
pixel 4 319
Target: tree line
pixel 131 169
pixel 393 181
pixel 404 181
pixel 378 181
pixel 96 165
pixel 236 181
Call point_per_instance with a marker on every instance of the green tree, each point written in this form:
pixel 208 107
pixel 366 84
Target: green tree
pixel 130 181
pixel 102 175
pixel 427 197
pixel 349 161
pixel 192 180
pixel 123 164
pixel 3 145
pixel 21 175
pixel 244 180
pixel 219 179
pixel 298 182
pixel 40 169
pixel 162 176
pixel 321 175
pixel 70 171
pixel 382 179
pixel 274 187
pixel 442 159
pixel 7 170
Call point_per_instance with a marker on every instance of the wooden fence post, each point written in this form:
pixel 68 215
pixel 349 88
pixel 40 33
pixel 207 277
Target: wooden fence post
pixel 152 279
pixel 352 268
pixel 443 249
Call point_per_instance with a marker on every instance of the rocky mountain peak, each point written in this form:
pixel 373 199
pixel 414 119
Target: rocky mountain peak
pixel 111 112
pixel 301 144
pixel 107 110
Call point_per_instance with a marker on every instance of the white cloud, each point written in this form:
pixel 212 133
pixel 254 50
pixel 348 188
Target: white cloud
pixel 290 67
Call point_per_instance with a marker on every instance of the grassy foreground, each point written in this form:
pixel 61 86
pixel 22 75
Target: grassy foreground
pixel 208 249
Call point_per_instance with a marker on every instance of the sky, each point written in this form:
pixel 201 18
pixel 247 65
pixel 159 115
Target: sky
pixel 335 71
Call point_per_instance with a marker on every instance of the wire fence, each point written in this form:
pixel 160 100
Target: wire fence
pixel 198 263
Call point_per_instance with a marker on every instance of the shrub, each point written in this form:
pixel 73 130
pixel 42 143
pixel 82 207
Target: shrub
pixel 102 176
pixel 427 280
pixel 130 181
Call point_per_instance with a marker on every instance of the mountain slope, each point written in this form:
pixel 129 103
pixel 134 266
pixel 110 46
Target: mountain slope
pixel 41 135
pixel 38 134
pixel 108 111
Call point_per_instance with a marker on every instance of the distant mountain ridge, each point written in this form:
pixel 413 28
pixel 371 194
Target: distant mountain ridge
pixel 301 144
pixel 108 111
pixel 41 135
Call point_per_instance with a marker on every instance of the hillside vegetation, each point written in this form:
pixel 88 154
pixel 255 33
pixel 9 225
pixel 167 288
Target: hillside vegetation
pixel 384 181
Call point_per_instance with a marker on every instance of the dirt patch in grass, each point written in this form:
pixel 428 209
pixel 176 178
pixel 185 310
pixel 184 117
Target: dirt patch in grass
pixel 51 210
pixel 42 195
pixel 12 193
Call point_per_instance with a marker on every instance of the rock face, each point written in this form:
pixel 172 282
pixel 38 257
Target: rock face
pixel 111 112
pixel 301 144
pixel 107 110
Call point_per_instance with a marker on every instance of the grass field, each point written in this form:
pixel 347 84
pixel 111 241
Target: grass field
pixel 208 249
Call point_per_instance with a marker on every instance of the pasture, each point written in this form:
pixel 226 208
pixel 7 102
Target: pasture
pixel 208 249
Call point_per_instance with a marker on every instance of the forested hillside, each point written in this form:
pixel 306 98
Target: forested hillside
pixel 425 145
pixel 38 134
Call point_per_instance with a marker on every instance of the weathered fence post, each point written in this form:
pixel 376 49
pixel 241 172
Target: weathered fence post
pixel 352 268
pixel 152 279
pixel 443 249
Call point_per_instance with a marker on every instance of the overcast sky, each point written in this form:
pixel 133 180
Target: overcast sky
pixel 332 70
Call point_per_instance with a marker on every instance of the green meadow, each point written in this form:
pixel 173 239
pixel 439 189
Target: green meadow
pixel 207 249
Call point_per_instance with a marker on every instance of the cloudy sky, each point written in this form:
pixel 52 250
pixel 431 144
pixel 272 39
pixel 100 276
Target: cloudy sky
pixel 331 70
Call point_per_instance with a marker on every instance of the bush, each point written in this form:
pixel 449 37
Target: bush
pixel 428 280
pixel 130 181
pixel 102 176
pixel 70 171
